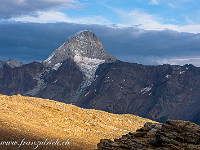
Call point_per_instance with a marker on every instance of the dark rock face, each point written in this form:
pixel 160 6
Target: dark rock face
pixel 18 80
pixel 62 84
pixel 1 63
pixel 81 72
pixel 34 80
pixel 155 92
pixel 172 135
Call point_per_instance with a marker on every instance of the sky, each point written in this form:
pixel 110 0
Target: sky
pixel 142 31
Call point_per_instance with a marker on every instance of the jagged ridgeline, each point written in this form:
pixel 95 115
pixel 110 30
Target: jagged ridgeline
pixel 82 73
pixel 37 119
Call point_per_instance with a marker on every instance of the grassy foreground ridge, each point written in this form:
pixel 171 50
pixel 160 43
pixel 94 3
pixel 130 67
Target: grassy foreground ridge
pixel 38 119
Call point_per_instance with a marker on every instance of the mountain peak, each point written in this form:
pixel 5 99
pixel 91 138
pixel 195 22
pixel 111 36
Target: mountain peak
pixel 87 35
pixel 86 50
pixel 86 44
pixel 12 63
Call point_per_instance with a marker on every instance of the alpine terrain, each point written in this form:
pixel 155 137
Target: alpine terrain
pixel 82 73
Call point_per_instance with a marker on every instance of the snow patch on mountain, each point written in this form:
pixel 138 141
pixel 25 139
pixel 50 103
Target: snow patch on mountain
pixel 146 89
pixel 182 72
pixel 168 76
pixel 88 66
pixel 56 66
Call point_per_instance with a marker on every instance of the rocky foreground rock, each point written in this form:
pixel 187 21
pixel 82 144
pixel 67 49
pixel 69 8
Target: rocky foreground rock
pixel 172 135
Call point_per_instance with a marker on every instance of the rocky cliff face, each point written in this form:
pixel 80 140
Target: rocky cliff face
pixel 81 72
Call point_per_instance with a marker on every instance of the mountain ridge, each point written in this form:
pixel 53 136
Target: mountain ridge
pixel 11 62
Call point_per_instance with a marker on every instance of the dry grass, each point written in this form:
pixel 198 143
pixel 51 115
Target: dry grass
pixel 42 118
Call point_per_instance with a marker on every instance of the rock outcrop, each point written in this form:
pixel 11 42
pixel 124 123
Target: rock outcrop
pixel 172 135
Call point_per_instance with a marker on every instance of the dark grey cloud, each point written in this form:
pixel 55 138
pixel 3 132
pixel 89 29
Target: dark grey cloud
pixel 28 42
pixel 14 8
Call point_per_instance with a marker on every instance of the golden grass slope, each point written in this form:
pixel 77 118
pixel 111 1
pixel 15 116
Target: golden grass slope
pixel 39 119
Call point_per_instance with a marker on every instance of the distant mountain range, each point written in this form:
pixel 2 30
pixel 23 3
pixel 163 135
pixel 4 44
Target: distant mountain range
pixel 82 73
pixel 11 63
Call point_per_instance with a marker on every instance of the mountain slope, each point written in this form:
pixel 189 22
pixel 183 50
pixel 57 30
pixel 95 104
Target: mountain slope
pixel 37 119
pixel 62 84
pixel 156 92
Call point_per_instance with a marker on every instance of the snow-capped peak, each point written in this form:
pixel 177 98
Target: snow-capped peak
pixel 86 44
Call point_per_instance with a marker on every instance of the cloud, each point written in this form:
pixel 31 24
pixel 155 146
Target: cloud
pixel 14 8
pixel 50 11
pixel 44 17
pixel 172 5
pixel 146 21
pixel 34 41
pixel 56 16
pixel 154 2
pixel 180 61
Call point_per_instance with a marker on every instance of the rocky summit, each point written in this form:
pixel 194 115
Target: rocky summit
pixel 172 135
pixel 82 73
pixel 83 47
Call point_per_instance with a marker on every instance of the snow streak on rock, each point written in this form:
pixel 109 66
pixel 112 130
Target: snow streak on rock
pixel 56 66
pixel 48 60
pixel 40 86
pixel 146 89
